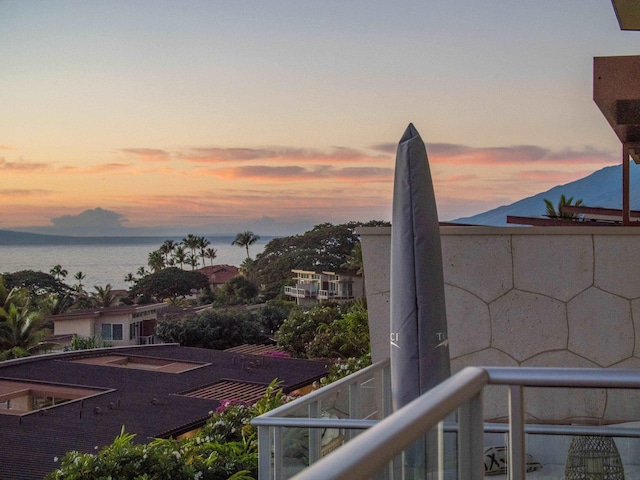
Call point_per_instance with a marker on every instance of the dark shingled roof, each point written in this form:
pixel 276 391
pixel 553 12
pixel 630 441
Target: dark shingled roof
pixel 148 403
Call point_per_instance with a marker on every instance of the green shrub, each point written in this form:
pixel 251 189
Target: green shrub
pixel 300 328
pixel 86 343
pixel 212 329
pixel 326 331
pixel 345 367
pixel 226 448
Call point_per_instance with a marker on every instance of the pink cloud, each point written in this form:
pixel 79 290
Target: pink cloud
pixel 312 173
pixel 517 154
pixel 278 154
pixel 457 178
pixel 21 166
pixel 102 168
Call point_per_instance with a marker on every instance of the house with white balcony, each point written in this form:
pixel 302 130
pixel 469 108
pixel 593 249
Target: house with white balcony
pixel 313 287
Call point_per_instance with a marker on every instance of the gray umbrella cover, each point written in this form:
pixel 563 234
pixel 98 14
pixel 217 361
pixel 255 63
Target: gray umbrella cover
pixel 419 343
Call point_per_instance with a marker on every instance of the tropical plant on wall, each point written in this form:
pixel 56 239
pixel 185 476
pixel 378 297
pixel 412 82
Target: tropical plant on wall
pixel 559 211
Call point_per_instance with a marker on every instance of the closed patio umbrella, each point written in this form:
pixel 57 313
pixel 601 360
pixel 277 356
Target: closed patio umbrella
pixel 419 346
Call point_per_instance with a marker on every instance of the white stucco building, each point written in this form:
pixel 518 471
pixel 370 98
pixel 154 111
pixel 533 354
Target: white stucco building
pixel 119 326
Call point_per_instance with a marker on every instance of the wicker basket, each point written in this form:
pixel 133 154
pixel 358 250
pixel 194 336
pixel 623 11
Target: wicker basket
pixel 593 458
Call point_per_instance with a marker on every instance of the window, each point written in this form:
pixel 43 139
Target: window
pixel 134 330
pixel 112 331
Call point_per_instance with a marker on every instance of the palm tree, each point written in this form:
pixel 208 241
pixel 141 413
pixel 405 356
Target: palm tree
pixel 58 272
pixel 552 212
pixel 104 297
pixel 203 243
pixel 54 304
pixel 130 278
pixel 79 277
pixel 246 269
pixel 156 261
pixel 167 249
pixel 142 272
pixel 211 253
pixel 180 255
pixel 22 330
pixel 192 259
pixel 15 296
pixel 191 242
pixel 244 239
pixel 354 260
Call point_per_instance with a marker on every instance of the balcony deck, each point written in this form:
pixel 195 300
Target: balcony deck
pixel 354 413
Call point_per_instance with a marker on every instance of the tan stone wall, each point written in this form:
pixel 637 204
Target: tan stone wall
pixel 521 296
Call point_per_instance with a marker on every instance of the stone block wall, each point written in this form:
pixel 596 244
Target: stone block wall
pixel 531 296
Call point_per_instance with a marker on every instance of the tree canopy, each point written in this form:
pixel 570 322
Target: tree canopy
pixel 238 290
pixel 326 330
pixel 326 247
pixel 37 283
pixel 170 283
pixel 22 327
pixel 213 329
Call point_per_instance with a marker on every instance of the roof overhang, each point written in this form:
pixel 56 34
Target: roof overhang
pixel 616 91
pixel 627 13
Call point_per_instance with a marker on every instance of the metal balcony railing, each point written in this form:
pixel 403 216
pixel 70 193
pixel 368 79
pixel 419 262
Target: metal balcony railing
pixel 345 430
pixel 295 292
pixel 327 295
pixel 303 431
pixel 147 340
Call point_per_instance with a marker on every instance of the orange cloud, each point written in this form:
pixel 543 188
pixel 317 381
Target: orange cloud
pixel 107 167
pixel 148 154
pixel 21 193
pixel 7 147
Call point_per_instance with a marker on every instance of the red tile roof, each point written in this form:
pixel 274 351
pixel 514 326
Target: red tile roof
pixel 219 274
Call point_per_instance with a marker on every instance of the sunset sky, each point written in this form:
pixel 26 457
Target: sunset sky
pixel 211 115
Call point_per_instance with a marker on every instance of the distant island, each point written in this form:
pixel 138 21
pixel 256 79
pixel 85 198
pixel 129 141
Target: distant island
pixel 13 238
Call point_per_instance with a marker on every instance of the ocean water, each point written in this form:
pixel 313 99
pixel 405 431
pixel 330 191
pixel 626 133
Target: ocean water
pixel 108 261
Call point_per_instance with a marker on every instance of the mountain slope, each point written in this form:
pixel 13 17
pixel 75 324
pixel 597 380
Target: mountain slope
pixel 600 189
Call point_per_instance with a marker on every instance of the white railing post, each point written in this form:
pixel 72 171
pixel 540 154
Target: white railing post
pixel 516 433
pixel 354 405
pixel 264 453
pixel 315 435
pixel 277 453
pixel 471 440
pixel 387 404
